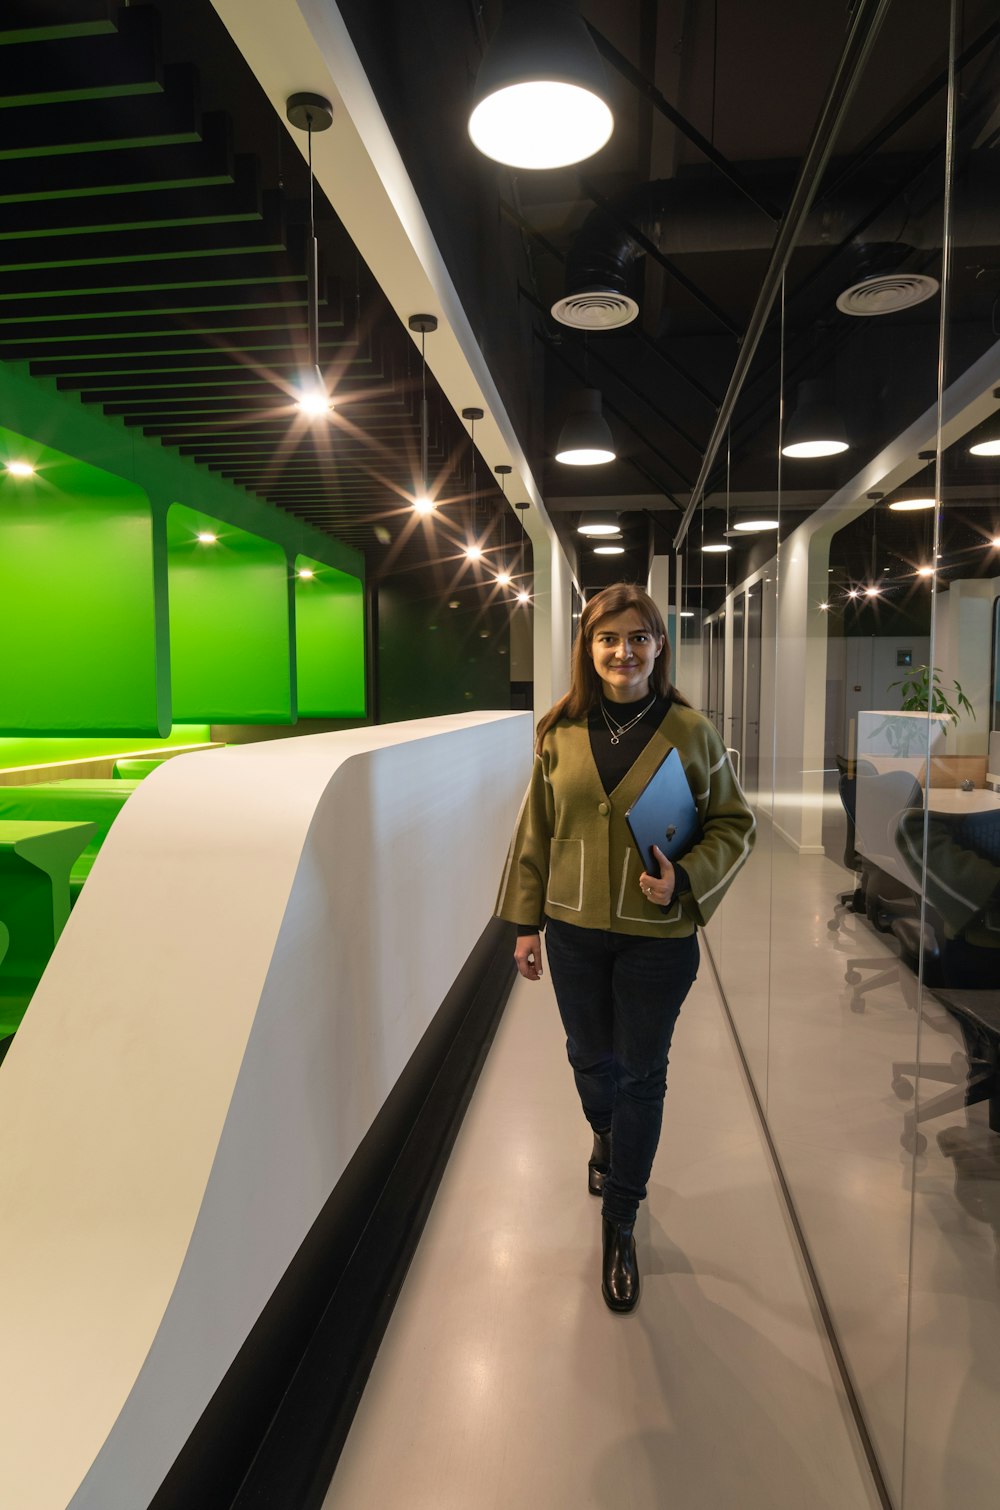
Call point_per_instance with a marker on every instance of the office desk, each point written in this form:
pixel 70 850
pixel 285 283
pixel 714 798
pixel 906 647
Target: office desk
pixel 877 819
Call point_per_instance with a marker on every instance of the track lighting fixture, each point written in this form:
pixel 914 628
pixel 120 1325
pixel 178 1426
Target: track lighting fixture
pixel 815 428
pixel 309 113
pixel 541 98
pixel 585 439
pixel 423 324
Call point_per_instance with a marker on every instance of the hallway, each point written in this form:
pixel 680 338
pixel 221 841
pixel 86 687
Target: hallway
pixel 719 1392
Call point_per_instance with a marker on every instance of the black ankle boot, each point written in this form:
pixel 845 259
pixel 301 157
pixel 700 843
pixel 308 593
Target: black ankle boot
pixel 620 1281
pixel 600 1163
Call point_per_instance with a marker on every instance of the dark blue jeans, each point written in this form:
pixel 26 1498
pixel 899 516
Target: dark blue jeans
pixel 619 997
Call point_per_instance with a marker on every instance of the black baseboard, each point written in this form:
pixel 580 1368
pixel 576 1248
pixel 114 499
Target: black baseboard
pixel 273 1431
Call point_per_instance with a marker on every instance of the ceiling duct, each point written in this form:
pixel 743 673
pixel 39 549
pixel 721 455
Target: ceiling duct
pixel 694 214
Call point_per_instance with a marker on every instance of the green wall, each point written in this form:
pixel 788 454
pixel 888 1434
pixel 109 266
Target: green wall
pixel 78 598
pixel 434 659
pixel 86 629
pixel 330 641
pixel 230 623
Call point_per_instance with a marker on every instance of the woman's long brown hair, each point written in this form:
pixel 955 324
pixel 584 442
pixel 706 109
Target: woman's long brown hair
pixel 585 684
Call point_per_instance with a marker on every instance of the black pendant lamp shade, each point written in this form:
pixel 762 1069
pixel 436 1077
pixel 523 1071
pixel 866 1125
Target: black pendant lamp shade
pixel 541 98
pixel 585 440
pixel 311 113
pixel 815 427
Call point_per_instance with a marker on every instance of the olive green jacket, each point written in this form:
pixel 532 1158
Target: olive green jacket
pixel 572 856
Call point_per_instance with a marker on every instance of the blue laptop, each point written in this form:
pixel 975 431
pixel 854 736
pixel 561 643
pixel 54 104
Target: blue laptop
pixel 664 814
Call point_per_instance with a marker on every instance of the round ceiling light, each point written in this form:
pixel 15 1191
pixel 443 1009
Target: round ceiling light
pixel 750 526
pixel 598 524
pixel 541 97
pixel 715 550
pixel 910 505
pixel 815 428
pixel 609 550
pixel 585 440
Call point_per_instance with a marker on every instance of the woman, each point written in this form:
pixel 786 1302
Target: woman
pixel 621 941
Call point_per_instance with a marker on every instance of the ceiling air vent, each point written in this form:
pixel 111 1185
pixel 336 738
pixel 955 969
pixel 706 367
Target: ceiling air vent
pixel 886 293
pixel 595 309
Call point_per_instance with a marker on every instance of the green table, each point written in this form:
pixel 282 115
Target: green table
pixel 36 859
pixel 80 800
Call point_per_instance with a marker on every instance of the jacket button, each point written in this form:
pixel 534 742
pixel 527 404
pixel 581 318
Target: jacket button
pixel 602 807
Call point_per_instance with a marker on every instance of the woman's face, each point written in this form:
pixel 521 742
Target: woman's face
pixel 623 649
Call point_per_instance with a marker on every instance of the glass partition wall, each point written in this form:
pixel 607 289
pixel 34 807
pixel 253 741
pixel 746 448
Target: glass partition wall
pixel 849 658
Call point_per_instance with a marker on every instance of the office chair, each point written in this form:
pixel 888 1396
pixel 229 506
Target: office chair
pixel 974 1075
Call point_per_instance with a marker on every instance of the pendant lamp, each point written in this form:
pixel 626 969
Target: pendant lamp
pixel 541 98
pixel 309 113
pixel 920 495
pixel 503 578
pixel 585 439
pixel 599 524
pixel 815 428
pixel 423 325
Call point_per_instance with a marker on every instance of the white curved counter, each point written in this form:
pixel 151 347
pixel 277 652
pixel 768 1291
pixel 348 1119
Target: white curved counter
pixel 263 940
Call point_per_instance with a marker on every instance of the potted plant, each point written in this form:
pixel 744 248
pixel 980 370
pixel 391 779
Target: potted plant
pixel 922 692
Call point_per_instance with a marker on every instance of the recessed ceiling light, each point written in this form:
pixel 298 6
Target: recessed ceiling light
pixel 423 504
pixel 925 571
pixel 474 552
pixel 524 597
pixel 873 591
pixel 503 579
pixel 20 469
pixel 205 537
pixel 306 572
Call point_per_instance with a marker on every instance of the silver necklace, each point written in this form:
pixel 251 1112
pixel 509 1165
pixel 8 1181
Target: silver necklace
pixel 615 729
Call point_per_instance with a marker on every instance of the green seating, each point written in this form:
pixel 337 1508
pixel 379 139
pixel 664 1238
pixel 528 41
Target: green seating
pixel 36 858
pixel 136 768
pixel 79 800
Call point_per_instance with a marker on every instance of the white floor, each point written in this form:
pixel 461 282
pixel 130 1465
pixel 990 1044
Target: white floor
pixel 503 1381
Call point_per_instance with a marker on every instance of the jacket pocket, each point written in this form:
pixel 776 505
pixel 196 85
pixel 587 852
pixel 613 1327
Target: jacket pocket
pixel 566 874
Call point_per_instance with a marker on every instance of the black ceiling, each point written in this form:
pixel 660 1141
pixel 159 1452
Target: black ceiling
pixel 153 233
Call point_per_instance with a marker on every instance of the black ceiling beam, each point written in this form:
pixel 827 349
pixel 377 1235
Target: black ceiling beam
pixel 214 204
pixel 650 92
pixel 152 277
pixel 263 331
pixel 125 61
pixel 188 243
pixel 196 302
pixel 63 18
pixel 80 372
pixel 864 27
pixel 132 170
pixel 142 120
